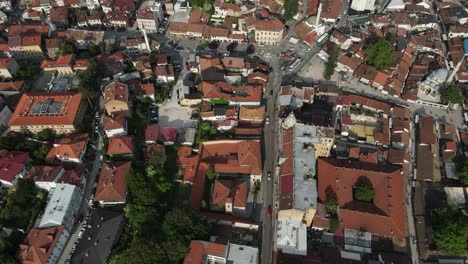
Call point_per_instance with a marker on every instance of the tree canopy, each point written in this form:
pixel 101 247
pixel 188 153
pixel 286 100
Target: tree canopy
pixel 364 193
pixel 22 204
pixel 67 47
pixel 450 234
pixel 461 165
pixel 380 54
pixel 290 9
pixel 46 134
pixel 330 65
pixel 88 86
pixel 451 93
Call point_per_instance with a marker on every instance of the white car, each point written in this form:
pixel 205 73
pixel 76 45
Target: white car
pixel 80 234
pixel 267 120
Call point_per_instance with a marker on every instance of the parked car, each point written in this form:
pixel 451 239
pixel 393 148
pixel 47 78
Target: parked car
pixel 269 175
pixel 269 210
pixel 267 120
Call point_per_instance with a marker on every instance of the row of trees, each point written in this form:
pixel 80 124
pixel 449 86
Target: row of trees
pixel 330 65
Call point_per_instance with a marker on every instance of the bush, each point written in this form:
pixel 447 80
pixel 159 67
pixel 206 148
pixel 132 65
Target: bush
pixel 330 65
pixel 364 193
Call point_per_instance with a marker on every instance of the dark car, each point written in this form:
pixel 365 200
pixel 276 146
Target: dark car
pixel 271 92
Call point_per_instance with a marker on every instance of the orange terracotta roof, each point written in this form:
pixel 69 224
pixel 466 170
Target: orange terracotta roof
pixel 70 147
pixel 11 86
pixel 252 112
pixel 269 25
pixel 200 249
pixel 116 122
pixel 59 14
pixel 116 91
pixel 66 104
pixel 39 245
pixel 44 173
pixel 229 191
pixel 243 93
pixel 183 154
pixel 111 186
pixel 120 145
pixel 152 132
pixel 385 215
pixel 233 156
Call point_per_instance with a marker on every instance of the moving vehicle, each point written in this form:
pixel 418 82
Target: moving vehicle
pixel 267 120
pixel 269 175
pixel 269 210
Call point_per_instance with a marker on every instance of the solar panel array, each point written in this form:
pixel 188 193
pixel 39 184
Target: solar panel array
pixel 48 107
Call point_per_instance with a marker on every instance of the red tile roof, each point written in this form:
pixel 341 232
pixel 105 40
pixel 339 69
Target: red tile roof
pixel 39 245
pixel 384 216
pixel 23 115
pixel 233 156
pixel 120 145
pixel 70 147
pixel 200 249
pixel 116 122
pixel 11 86
pixel 169 134
pixel 44 173
pixel 59 14
pixel 116 91
pixel 243 93
pixel 152 133
pixel 111 186
pixel 229 191
pixel 72 176
pixel 183 155
pixel 426 130
pixel 198 185
pixel 287 183
pixel 11 164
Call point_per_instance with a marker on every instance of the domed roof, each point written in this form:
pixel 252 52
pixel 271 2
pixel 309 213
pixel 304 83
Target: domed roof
pixel 441 74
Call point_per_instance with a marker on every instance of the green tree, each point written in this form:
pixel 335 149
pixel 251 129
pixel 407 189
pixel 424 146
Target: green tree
pixel 210 174
pixel 380 54
pixel 138 254
pixel 89 84
pixel 41 152
pixel 452 239
pixel 332 206
pixel 156 158
pixel 330 65
pixel 461 165
pixel 290 9
pixel 46 134
pixel 12 140
pixel 24 73
pixel 451 93
pixel 22 205
pixel 364 193
pixel 94 50
pixel 182 225
pixel 67 47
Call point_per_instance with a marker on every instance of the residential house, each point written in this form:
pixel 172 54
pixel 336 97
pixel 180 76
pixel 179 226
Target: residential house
pixel 111 188
pixel 116 98
pixel 147 90
pixel 59 16
pixel 5 116
pixel 236 95
pixel 125 6
pixel 116 19
pixel 85 38
pixel 149 15
pixel 13 167
pixel 152 134
pixel 115 125
pixel 168 135
pixel 428 151
pixel 11 88
pixel 62 208
pixel 103 233
pixel 61 112
pixel 25 41
pixel 8 67
pixel 52 47
pixel 211 69
pixel 69 149
pixel 121 146
pixel 45 177
pixel 229 196
pixel 201 252
pixel 135 47
pixel 385 215
pixel 63 64
pixel 164 73
pixel 252 114
pixel 43 245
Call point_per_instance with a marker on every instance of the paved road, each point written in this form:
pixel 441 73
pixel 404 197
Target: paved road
pixel 85 208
